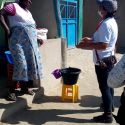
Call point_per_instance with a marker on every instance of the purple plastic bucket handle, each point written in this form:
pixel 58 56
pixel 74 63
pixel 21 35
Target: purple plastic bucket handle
pixel 57 73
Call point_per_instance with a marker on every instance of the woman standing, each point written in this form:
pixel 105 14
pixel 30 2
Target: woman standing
pixel 103 46
pixel 21 30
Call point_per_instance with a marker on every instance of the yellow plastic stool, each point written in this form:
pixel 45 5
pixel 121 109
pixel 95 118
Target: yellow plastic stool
pixel 70 92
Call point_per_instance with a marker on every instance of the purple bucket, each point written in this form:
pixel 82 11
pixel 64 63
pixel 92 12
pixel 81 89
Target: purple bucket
pixel 57 73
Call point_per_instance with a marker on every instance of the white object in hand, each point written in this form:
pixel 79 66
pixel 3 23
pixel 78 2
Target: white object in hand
pixel 42 33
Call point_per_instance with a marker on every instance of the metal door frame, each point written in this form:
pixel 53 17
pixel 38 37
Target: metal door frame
pixel 69 15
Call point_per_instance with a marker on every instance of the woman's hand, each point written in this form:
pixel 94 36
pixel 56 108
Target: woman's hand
pixel 81 45
pixel 8 32
pixel 86 39
pixel 84 43
pixel 40 41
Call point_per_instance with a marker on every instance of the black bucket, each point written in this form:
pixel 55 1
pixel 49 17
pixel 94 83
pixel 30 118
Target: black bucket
pixel 70 75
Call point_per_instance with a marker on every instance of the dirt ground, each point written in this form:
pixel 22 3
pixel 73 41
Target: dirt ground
pixel 49 110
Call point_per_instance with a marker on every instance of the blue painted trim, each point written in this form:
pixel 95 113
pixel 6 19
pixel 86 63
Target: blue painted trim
pixel 74 1
pixel 70 23
pixel 58 16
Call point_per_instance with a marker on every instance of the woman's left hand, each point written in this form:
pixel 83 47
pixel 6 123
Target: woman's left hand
pixel 86 39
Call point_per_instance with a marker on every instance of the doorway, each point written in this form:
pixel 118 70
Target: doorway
pixel 69 21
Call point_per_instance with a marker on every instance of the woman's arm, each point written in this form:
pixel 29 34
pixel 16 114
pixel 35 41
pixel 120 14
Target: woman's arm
pixel 3 22
pixel 87 43
pixel 8 10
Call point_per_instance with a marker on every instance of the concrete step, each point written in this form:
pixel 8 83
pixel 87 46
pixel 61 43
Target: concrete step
pixel 8 108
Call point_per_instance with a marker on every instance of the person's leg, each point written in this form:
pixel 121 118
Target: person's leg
pixel 11 96
pixel 30 84
pixel 107 95
pixel 112 94
pixel 25 88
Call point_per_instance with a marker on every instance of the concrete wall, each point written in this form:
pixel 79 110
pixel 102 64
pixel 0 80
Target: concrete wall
pixel 44 15
pixel 52 58
pixel 91 19
pixel 121 21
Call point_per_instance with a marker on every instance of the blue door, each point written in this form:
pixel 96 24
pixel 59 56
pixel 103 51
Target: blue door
pixel 69 21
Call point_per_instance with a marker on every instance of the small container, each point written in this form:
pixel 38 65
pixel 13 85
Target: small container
pixel 57 73
pixel 42 33
pixel 9 57
pixel 70 75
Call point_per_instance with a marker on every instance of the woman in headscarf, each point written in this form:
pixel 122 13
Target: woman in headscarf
pixel 21 30
pixel 103 46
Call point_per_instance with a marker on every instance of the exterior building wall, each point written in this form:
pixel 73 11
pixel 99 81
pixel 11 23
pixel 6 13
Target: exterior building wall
pixel 53 57
pixel 91 19
pixel 44 15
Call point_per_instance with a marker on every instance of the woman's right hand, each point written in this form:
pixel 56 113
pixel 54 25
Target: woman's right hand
pixel 84 43
pixel 8 32
pixel 81 45
pixel 40 42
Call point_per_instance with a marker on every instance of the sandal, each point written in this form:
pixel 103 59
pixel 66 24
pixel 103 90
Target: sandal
pixel 29 92
pixel 104 118
pixel 11 97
